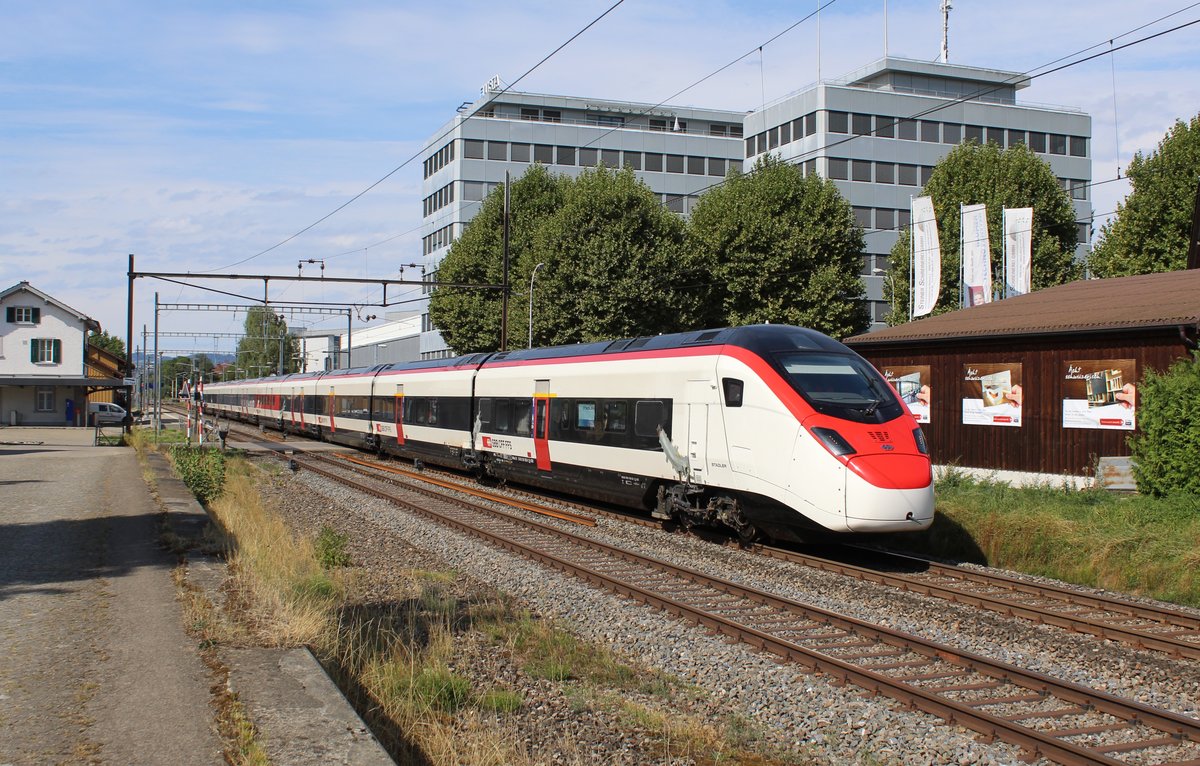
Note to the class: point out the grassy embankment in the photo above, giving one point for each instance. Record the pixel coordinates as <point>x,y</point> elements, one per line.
<point>399,661</point>
<point>1130,543</point>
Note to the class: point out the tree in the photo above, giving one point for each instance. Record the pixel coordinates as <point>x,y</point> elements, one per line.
<point>109,343</point>
<point>1150,233</point>
<point>469,318</point>
<point>1164,452</point>
<point>613,263</point>
<point>266,347</point>
<point>780,247</point>
<point>972,174</point>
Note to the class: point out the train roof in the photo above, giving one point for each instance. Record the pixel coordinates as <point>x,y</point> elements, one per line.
<point>761,339</point>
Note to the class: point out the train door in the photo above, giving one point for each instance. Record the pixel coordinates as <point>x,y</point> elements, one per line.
<point>541,424</point>
<point>332,409</point>
<point>697,393</point>
<point>398,412</point>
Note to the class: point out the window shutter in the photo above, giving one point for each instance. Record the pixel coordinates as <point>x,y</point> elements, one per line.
<point>10,314</point>
<point>57,350</point>
<point>37,316</point>
<point>33,351</point>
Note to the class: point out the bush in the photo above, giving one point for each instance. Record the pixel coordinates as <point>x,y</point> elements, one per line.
<point>202,470</point>
<point>331,548</point>
<point>1165,452</point>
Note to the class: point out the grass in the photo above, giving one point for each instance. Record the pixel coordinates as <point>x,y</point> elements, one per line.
<point>1131,543</point>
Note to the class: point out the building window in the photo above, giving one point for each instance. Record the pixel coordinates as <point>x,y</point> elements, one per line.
<point>610,158</point>
<point>566,155</point>
<point>951,133</point>
<point>695,166</point>
<point>543,153</point>
<point>653,162</point>
<point>903,218</point>
<point>609,120</point>
<point>497,150</point>
<point>785,133</point>
<point>996,136</point>
<point>1016,137</point>
<point>717,130</point>
<point>23,315</point>
<point>926,174</point>
<point>675,203</point>
<point>975,133</point>
<point>838,169</point>
<point>885,173</point>
<point>860,170</point>
<point>45,350</point>
<point>472,150</point>
<point>45,399</point>
<point>656,124</point>
<point>810,123</point>
<point>472,191</point>
<point>906,130</point>
<point>862,216</point>
<point>735,131</point>
<point>1082,230</point>
<point>861,124</point>
<point>529,114</point>
<point>1079,189</point>
<point>674,163</point>
<point>1037,142</point>
<point>551,115</point>
<point>798,128</point>
<point>716,166</point>
<point>633,160</point>
<point>838,122</point>
<point>1078,146</point>
<point>1058,144</point>
<point>908,175</point>
<point>520,152</point>
<point>750,147</point>
<point>810,167</point>
<point>885,218</point>
<point>773,138</point>
<point>885,127</point>
<point>588,157</point>
<point>930,132</point>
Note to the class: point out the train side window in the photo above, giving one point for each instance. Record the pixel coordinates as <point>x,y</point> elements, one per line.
<point>485,413</point>
<point>647,417</point>
<point>615,420</point>
<point>503,416</point>
<point>522,413</point>
<point>561,412</point>
<point>585,416</point>
<point>733,391</point>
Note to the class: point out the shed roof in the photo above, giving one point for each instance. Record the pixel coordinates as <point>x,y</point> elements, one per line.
<point>1093,305</point>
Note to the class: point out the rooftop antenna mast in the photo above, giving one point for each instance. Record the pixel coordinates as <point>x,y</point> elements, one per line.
<point>946,31</point>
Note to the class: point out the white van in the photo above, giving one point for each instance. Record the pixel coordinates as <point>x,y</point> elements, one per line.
<point>105,414</point>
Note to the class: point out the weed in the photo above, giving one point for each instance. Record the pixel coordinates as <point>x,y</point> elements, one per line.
<point>500,701</point>
<point>330,547</point>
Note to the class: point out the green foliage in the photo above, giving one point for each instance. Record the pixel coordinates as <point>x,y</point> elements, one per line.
<point>201,469</point>
<point>469,318</point>
<point>266,344</point>
<point>613,261</point>
<point>330,546</point>
<point>439,689</point>
<point>109,343</point>
<point>1165,452</point>
<point>1150,232</point>
<point>500,701</point>
<point>972,174</point>
<point>780,247</point>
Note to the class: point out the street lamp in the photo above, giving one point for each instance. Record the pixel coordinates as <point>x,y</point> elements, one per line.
<point>891,285</point>
<point>531,278</point>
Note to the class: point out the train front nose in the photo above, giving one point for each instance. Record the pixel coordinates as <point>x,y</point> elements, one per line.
<point>889,493</point>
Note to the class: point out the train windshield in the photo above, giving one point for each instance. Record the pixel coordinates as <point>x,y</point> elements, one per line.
<point>841,386</point>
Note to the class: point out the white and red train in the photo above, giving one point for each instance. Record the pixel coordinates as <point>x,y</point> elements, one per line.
<point>768,428</point>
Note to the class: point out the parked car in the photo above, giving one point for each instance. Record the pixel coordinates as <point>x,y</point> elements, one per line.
<point>106,414</point>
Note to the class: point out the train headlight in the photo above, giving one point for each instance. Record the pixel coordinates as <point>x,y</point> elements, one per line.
<point>922,445</point>
<point>833,441</point>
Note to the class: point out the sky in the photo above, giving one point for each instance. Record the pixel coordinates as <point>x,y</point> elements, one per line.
<point>197,135</point>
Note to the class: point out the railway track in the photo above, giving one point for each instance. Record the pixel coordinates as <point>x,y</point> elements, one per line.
<point>1149,627</point>
<point>1049,718</point>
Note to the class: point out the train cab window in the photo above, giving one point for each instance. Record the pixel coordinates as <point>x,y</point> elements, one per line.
<point>733,389</point>
<point>585,416</point>
<point>616,416</point>
<point>843,386</point>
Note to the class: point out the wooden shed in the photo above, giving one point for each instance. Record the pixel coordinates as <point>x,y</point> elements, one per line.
<point>1044,382</point>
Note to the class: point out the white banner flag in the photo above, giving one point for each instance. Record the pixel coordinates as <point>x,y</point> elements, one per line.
<point>1018,250</point>
<point>926,257</point>
<point>976,256</point>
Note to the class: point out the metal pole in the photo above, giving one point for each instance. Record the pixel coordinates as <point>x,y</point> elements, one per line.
<point>129,367</point>
<point>531,277</point>
<point>157,376</point>
<point>504,280</point>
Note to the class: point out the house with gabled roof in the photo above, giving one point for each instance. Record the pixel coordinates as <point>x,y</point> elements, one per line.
<point>44,367</point>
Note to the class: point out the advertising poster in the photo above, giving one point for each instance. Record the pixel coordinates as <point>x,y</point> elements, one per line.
<point>1100,393</point>
<point>911,382</point>
<point>992,394</point>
